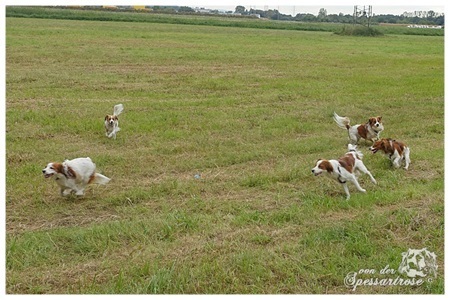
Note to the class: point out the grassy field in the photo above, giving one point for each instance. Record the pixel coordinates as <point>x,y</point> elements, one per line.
<point>247,110</point>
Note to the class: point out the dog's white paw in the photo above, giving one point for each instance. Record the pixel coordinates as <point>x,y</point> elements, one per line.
<point>66,192</point>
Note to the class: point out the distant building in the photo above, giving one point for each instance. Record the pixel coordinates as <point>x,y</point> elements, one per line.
<point>420,14</point>
<point>202,10</point>
<point>425,26</point>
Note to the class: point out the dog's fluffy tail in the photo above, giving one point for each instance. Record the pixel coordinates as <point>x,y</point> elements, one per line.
<point>99,179</point>
<point>118,109</point>
<point>343,122</point>
<point>353,148</point>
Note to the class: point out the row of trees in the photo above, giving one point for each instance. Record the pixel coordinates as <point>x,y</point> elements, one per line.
<point>425,18</point>
<point>421,18</point>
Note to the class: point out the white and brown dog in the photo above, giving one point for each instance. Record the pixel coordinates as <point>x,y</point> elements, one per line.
<point>112,121</point>
<point>74,175</point>
<point>369,131</point>
<point>345,169</point>
<point>397,151</point>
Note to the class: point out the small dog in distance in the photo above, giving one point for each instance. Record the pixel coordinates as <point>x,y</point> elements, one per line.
<point>112,122</point>
<point>369,131</point>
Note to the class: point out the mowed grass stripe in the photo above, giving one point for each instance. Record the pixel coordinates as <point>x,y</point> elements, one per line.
<point>248,110</point>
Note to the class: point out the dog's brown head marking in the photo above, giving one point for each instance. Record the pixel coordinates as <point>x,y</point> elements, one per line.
<point>388,146</point>
<point>375,122</point>
<point>326,166</point>
<point>58,167</point>
<point>111,117</point>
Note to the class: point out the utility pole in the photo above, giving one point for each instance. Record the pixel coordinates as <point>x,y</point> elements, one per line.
<point>360,15</point>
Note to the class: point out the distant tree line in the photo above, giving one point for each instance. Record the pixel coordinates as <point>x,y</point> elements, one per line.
<point>419,18</point>
<point>425,18</point>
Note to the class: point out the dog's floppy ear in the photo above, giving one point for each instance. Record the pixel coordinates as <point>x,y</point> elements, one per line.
<point>106,117</point>
<point>326,165</point>
<point>58,167</point>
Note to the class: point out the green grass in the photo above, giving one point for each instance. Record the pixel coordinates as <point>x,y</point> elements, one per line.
<point>250,110</point>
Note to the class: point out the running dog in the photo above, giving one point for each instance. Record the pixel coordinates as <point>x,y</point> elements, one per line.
<point>369,131</point>
<point>396,151</point>
<point>74,175</point>
<point>112,121</point>
<point>344,169</point>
